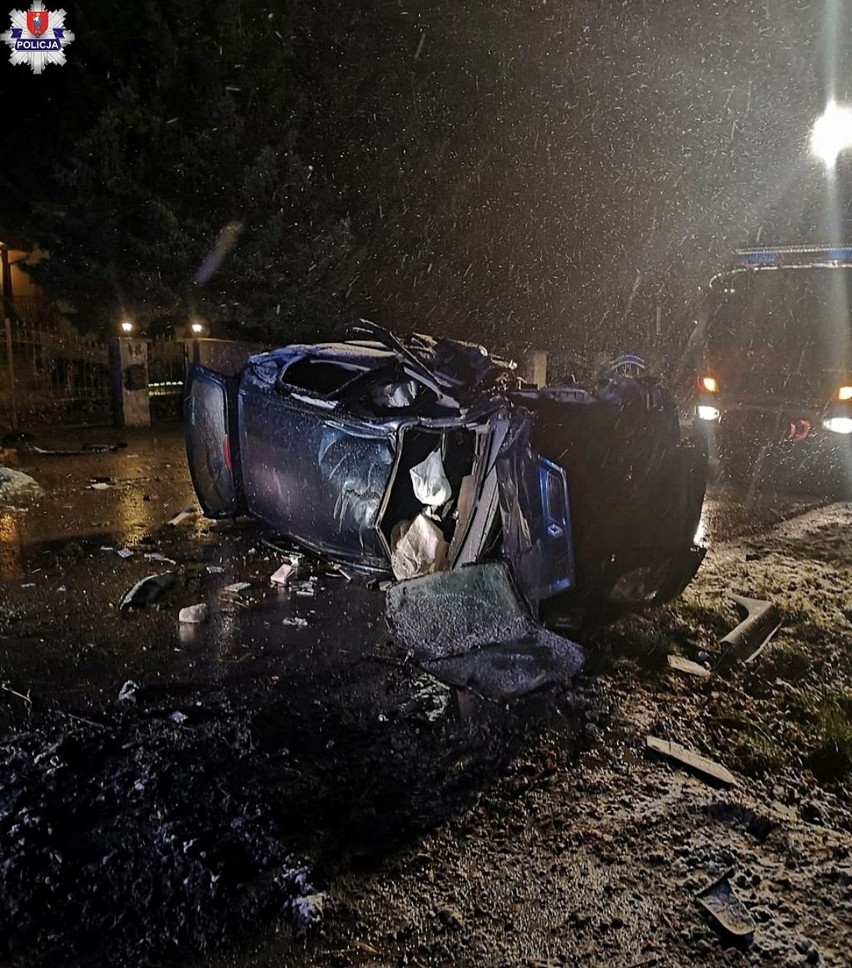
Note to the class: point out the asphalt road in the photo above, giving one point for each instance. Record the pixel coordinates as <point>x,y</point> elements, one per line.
<point>61,574</point>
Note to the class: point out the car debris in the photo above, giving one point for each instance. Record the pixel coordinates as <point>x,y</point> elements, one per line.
<point>411,456</point>
<point>728,912</point>
<point>707,769</point>
<point>470,629</point>
<point>282,575</point>
<point>194,614</point>
<point>158,557</point>
<point>24,442</point>
<point>146,591</point>
<point>183,515</point>
<point>238,588</point>
<point>681,664</point>
<point>127,693</point>
<point>748,639</point>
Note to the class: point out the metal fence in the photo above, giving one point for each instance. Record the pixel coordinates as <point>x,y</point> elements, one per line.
<point>52,375</point>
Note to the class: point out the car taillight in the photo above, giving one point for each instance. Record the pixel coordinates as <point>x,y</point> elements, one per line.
<point>226,450</point>
<point>799,430</point>
<point>708,384</point>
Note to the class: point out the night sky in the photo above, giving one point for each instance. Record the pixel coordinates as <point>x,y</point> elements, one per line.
<point>532,173</point>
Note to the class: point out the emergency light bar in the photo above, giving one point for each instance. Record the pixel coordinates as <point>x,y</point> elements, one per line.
<point>794,255</point>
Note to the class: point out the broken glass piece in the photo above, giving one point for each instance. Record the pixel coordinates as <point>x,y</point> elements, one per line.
<point>471,629</point>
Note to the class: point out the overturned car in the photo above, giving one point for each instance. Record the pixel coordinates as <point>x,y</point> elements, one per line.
<point>414,456</point>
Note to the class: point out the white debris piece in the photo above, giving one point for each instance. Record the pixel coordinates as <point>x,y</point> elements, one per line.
<point>182,516</point>
<point>128,691</point>
<point>430,483</point>
<point>124,553</point>
<point>100,486</point>
<point>156,556</point>
<point>283,575</point>
<point>295,621</point>
<point>193,614</point>
<point>237,588</point>
<point>177,717</point>
<point>16,486</point>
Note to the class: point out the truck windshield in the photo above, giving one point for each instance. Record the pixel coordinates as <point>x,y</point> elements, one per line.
<point>788,320</point>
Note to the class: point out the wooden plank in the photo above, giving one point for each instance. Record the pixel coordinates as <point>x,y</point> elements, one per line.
<point>706,768</point>
<point>681,664</point>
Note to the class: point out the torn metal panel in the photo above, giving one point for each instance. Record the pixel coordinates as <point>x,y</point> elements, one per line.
<point>535,515</point>
<point>720,901</point>
<point>470,628</point>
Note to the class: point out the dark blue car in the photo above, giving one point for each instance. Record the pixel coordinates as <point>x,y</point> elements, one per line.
<point>413,455</point>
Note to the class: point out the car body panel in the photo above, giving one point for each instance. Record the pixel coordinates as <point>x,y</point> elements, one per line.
<point>212,441</point>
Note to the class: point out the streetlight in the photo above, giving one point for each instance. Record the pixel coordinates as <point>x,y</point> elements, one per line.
<point>197,327</point>
<point>832,133</point>
<point>127,327</point>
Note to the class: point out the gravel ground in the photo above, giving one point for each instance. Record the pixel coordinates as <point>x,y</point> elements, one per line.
<point>282,787</point>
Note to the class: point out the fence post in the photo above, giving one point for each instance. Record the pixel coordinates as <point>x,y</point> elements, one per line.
<point>10,365</point>
<point>129,359</point>
<point>534,368</point>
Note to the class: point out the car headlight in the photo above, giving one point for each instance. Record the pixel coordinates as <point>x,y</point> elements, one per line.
<point>708,413</point>
<point>838,425</point>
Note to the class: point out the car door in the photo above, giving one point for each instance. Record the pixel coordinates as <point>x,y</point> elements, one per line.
<point>534,508</point>
<point>212,448</point>
<point>315,474</point>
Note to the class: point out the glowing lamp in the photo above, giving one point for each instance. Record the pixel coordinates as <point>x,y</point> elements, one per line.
<point>832,133</point>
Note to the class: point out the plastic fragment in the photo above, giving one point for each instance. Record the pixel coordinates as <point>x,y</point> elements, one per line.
<point>156,556</point>
<point>181,516</point>
<point>283,575</point>
<point>146,591</point>
<point>194,614</point>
